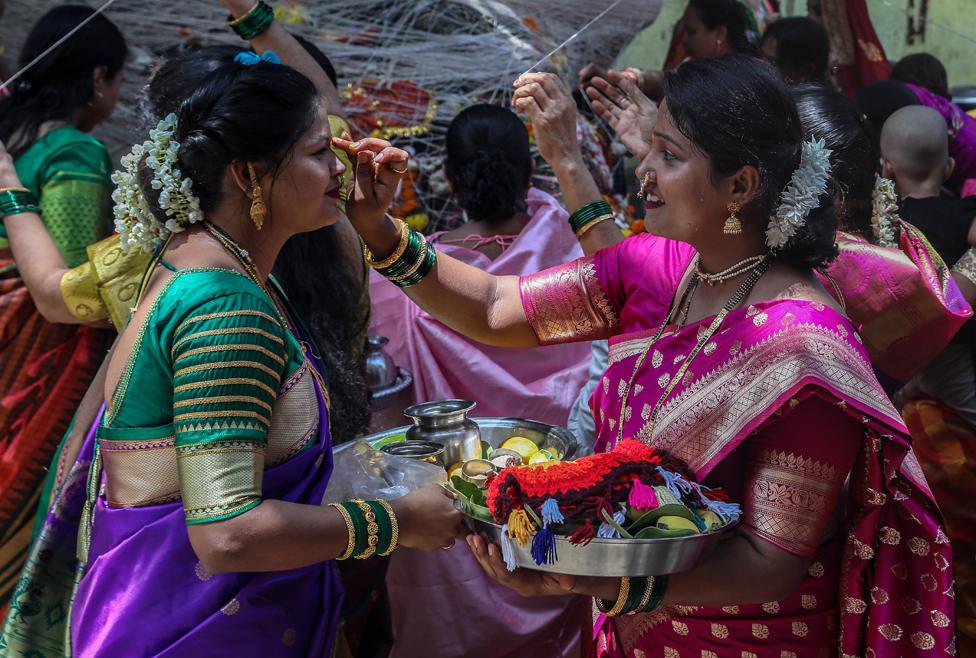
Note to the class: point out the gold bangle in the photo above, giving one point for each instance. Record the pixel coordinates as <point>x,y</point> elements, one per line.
<point>421,257</point>
<point>621,599</point>
<point>966,266</point>
<point>350,528</point>
<point>372,530</point>
<point>586,227</point>
<point>646,598</point>
<point>13,189</point>
<point>395,537</point>
<point>245,14</point>
<point>397,253</point>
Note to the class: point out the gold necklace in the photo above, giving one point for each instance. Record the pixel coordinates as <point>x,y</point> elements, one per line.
<point>244,258</point>
<point>703,337</point>
<point>731,272</point>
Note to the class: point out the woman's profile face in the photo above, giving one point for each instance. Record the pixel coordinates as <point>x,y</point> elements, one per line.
<point>682,201</point>
<point>305,193</point>
<point>699,40</point>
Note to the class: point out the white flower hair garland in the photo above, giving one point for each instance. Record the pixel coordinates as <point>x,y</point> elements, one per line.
<point>137,225</point>
<point>801,195</point>
<point>884,212</point>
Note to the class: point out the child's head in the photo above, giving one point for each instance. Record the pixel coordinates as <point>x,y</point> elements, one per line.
<point>915,149</point>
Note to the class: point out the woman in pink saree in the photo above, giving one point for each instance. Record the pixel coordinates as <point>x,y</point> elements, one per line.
<point>727,351</point>
<point>511,230</point>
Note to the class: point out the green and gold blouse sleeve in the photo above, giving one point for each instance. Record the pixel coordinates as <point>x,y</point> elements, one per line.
<point>229,360</point>
<point>76,198</point>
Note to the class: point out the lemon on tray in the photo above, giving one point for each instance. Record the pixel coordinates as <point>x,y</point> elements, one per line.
<point>538,457</point>
<point>521,445</point>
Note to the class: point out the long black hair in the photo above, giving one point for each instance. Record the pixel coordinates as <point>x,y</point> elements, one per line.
<point>324,289</point>
<point>733,15</point>
<point>61,83</point>
<point>738,112</point>
<point>831,116</point>
<point>488,162</point>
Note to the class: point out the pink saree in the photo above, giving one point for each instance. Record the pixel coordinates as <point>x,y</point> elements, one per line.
<point>902,300</point>
<point>780,407</point>
<point>540,384</point>
<point>426,589</point>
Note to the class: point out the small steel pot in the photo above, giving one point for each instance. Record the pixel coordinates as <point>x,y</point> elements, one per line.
<point>446,422</point>
<point>423,450</point>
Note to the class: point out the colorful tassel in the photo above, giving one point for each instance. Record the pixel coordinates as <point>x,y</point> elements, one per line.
<point>551,513</point>
<point>544,547</point>
<point>584,534</point>
<point>677,484</point>
<point>607,531</point>
<point>519,527</point>
<point>729,512</point>
<point>508,552</point>
<point>642,496</point>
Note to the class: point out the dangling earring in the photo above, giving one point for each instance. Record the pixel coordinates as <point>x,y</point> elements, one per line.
<point>733,225</point>
<point>643,186</point>
<point>258,210</point>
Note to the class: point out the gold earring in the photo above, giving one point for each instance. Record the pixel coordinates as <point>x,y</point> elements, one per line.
<point>733,225</point>
<point>643,186</point>
<point>258,210</point>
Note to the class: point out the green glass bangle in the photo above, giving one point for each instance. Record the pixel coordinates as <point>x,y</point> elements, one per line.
<point>425,268</point>
<point>14,202</point>
<point>415,266</point>
<point>386,527</point>
<point>659,589</point>
<point>253,23</point>
<point>587,212</point>
<point>358,522</point>
<point>408,259</point>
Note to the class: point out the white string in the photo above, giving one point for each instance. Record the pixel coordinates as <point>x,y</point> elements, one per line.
<point>573,36</point>
<point>927,21</point>
<point>57,43</point>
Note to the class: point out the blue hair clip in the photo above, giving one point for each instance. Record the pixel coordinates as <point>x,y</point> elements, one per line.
<point>248,58</point>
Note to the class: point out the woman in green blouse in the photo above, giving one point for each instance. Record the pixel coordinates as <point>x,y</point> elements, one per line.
<point>46,367</point>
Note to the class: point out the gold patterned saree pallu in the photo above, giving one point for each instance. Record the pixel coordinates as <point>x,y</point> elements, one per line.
<point>903,300</point>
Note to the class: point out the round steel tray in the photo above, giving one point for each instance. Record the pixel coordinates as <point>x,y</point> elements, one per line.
<point>558,440</point>
<point>614,557</point>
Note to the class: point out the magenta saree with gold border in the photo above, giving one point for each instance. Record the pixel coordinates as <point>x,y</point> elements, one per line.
<point>780,406</point>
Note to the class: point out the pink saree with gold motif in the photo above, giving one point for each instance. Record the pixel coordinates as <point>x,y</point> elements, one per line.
<point>781,407</point>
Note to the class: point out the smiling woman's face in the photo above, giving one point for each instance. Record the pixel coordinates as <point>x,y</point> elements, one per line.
<point>306,192</point>
<point>682,200</point>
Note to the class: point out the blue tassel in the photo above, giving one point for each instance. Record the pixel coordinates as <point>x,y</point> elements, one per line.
<point>544,547</point>
<point>730,512</point>
<point>607,531</point>
<point>508,553</point>
<point>699,523</point>
<point>551,512</point>
<point>677,484</point>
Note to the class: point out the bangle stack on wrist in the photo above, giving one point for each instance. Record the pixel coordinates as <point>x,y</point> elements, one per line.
<point>410,262</point>
<point>254,23</point>
<point>15,200</point>
<point>636,595</point>
<point>372,528</point>
<point>589,215</point>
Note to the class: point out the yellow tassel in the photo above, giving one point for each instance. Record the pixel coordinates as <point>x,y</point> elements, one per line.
<point>520,527</point>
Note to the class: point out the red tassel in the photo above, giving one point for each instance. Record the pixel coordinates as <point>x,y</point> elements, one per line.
<point>584,534</point>
<point>642,496</point>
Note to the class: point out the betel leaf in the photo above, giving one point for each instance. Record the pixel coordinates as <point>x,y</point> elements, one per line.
<point>470,491</point>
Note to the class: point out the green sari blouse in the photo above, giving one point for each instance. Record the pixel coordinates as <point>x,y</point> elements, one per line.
<point>208,365</point>
<point>70,172</point>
